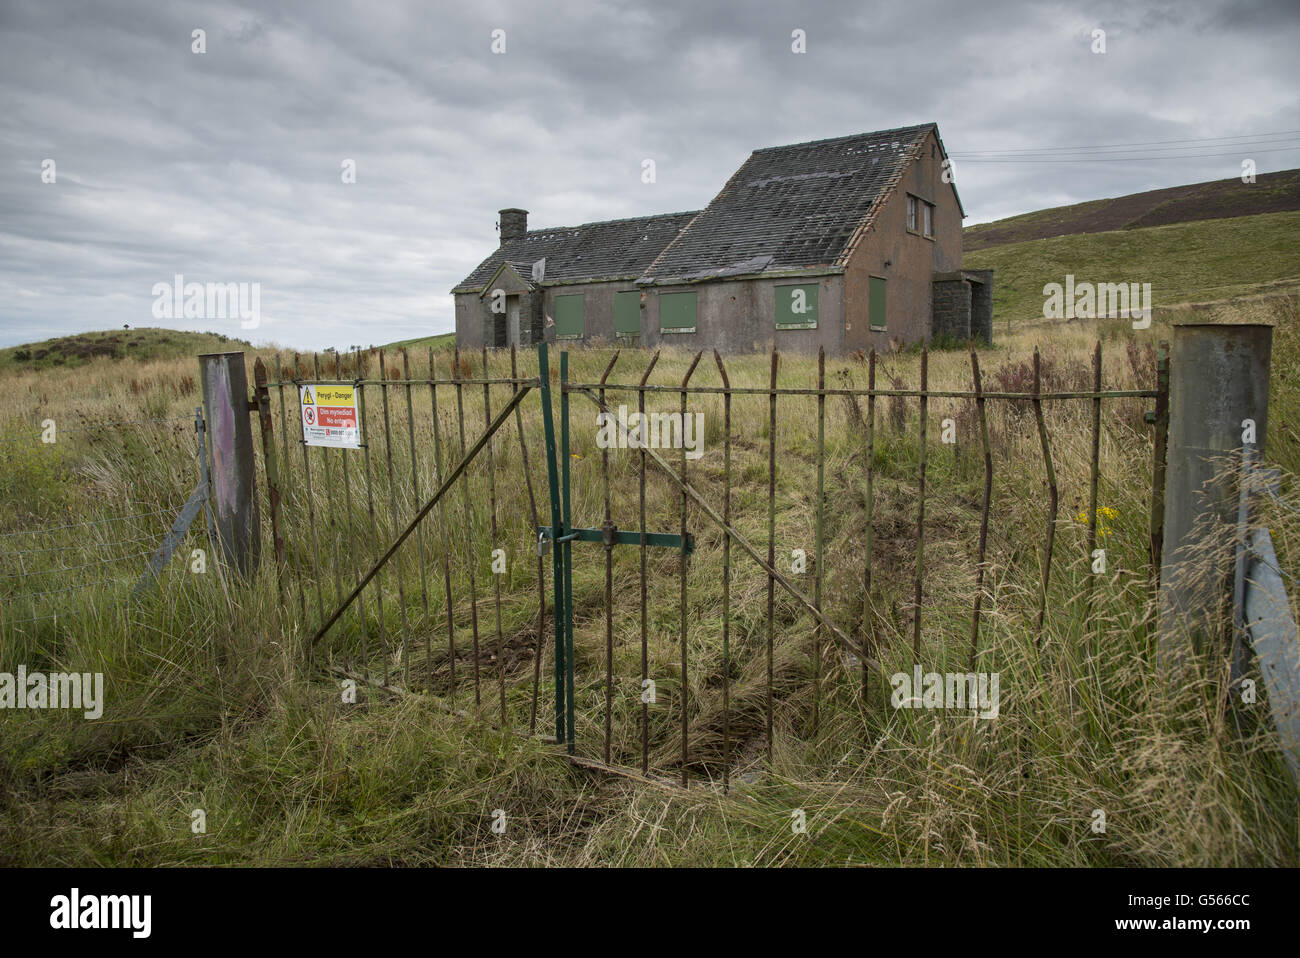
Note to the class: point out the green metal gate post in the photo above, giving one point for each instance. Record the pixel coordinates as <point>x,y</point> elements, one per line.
<point>557,527</point>
<point>567,539</point>
<point>563,535</point>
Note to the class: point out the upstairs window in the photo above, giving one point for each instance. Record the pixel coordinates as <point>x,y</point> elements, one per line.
<point>920,216</point>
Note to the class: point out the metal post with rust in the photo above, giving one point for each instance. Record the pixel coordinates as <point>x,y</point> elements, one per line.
<point>566,510</point>
<point>230,435</point>
<point>541,567</point>
<point>771,550</point>
<point>493,532</point>
<point>685,560</point>
<point>330,512</point>
<point>920,504</point>
<point>557,530</point>
<point>370,513</point>
<point>415,497</point>
<point>1159,419</point>
<point>284,419</point>
<point>469,514</point>
<point>310,495</point>
<point>1094,476</point>
<point>868,610</point>
<point>1053,494</point>
<point>286,480</point>
<point>984,512</point>
<point>393,516</point>
<point>609,580</point>
<point>645,652</point>
<point>442,535</point>
<point>726,574</point>
<point>352,549</point>
<point>271,467</point>
<point>820,546</point>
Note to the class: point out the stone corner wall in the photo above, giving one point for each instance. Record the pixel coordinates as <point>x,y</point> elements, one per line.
<point>981,314</point>
<point>951,309</point>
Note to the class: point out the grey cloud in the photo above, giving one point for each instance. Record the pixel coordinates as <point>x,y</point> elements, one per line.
<point>225,167</point>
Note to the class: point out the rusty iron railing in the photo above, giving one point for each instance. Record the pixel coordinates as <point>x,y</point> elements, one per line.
<point>376,592</point>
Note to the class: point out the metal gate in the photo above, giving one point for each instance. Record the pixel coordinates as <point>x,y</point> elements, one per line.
<point>729,682</point>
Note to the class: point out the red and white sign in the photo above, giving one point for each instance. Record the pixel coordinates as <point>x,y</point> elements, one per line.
<point>329,415</point>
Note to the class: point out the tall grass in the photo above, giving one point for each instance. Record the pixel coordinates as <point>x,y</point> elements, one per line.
<point>211,704</point>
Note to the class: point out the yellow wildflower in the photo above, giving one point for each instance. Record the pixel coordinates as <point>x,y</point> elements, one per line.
<point>1104,514</point>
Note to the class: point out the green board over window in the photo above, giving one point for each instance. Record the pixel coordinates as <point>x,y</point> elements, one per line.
<point>876,305</point>
<point>568,317</point>
<point>677,312</point>
<point>796,306</point>
<point>627,313</point>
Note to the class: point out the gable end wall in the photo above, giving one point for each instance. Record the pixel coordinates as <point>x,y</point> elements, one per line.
<point>913,259</point>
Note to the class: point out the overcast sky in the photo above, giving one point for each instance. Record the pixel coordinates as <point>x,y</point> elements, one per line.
<point>227,166</point>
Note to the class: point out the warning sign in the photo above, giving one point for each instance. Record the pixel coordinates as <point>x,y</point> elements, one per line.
<point>329,415</point>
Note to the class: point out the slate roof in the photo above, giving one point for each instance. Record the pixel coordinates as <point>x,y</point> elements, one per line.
<point>525,271</point>
<point>787,207</point>
<point>790,207</point>
<point>611,249</point>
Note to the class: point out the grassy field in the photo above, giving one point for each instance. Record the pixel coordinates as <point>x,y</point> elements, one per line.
<point>210,705</point>
<point>1204,261</point>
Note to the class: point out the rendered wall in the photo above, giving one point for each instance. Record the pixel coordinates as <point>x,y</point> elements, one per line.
<point>913,259</point>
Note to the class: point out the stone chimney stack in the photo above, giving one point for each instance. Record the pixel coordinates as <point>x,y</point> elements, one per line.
<point>514,224</point>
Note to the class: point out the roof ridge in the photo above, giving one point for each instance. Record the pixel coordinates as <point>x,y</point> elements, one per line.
<point>852,136</point>
<point>625,219</point>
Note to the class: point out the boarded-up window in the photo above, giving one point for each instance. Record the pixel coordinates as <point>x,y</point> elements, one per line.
<point>876,303</point>
<point>677,312</point>
<point>796,306</point>
<point>627,313</point>
<point>568,317</point>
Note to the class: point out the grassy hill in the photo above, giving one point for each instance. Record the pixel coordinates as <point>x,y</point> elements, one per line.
<point>1194,262</point>
<point>143,344</point>
<point>1218,199</point>
<point>441,341</point>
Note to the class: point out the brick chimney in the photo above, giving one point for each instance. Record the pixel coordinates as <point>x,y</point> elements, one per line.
<point>514,224</point>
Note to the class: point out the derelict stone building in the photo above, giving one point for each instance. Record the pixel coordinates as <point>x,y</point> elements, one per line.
<point>846,243</point>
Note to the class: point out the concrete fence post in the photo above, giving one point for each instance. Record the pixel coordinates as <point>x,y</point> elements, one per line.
<point>1218,401</point>
<point>230,438</point>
